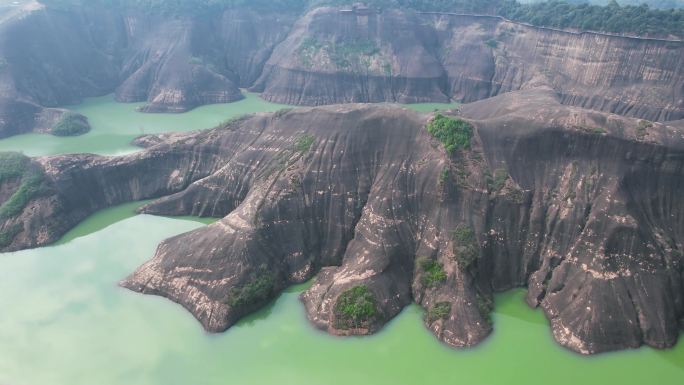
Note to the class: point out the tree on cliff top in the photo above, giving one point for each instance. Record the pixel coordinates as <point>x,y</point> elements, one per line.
<point>613,18</point>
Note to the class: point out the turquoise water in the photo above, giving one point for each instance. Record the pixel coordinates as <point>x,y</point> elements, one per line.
<point>65,322</point>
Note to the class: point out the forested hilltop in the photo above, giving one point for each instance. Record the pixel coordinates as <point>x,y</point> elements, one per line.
<point>613,18</point>
<point>660,4</point>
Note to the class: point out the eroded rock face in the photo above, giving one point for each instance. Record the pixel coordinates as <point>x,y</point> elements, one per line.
<point>400,56</point>
<point>337,58</point>
<point>50,58</point>
<point>581,207</point>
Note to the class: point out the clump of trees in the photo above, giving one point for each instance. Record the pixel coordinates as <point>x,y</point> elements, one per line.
<point>453,133</point>
<point>612,17</point>
<point>258,290</point>
<point>12,165</point>
<point>32,183</point>
<point>355,308</point>
<point>630,19</point>
<point>432,272</point>
<point>70,124</point>
<point>465,246</point>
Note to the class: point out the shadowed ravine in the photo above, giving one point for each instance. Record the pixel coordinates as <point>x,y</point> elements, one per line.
<point>362,196</point>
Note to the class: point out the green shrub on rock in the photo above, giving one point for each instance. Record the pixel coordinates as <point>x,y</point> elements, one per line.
<point>13,166</point>
<point>304,142</point>
<point>433,273</point>
<point>355,307</point>
<point>70,124</point>
<point>258,290</point>
<point>453,133</point>
<point>440,310</point>
<point>465,246</point>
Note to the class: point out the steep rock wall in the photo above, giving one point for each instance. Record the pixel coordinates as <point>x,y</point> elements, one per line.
<point>332,57</point>
<point>51,58</point>
<point>487,56</point>
<point>406,57</point>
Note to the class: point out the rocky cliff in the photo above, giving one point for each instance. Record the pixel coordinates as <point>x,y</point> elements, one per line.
<point>330,57</point>
<point>400,56</point>
<point>52,57</point>
<point>582,208</point>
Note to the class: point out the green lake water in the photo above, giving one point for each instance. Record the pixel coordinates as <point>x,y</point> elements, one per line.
<point>65,321</point>
<point>115,125</point>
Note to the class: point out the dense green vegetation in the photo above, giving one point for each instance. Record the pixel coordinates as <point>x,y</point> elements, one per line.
<point>12,166</point>
<point>433,273</point>
<point>465,246</point>
<point>660,4</point>
<point>355,307</point>
<point>612,17</point>
<point>440,310</point>
<point>633,17</point>
<point>31,186</point>
<point>453,133</point>
<point>640,20</point>
<point>258,290</point>
<point>70,124</point>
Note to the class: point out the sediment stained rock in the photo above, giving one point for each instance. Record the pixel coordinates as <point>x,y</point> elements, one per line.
<point>582,208</point>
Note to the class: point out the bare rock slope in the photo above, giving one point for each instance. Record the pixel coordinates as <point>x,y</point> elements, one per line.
<point>582,208</point>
